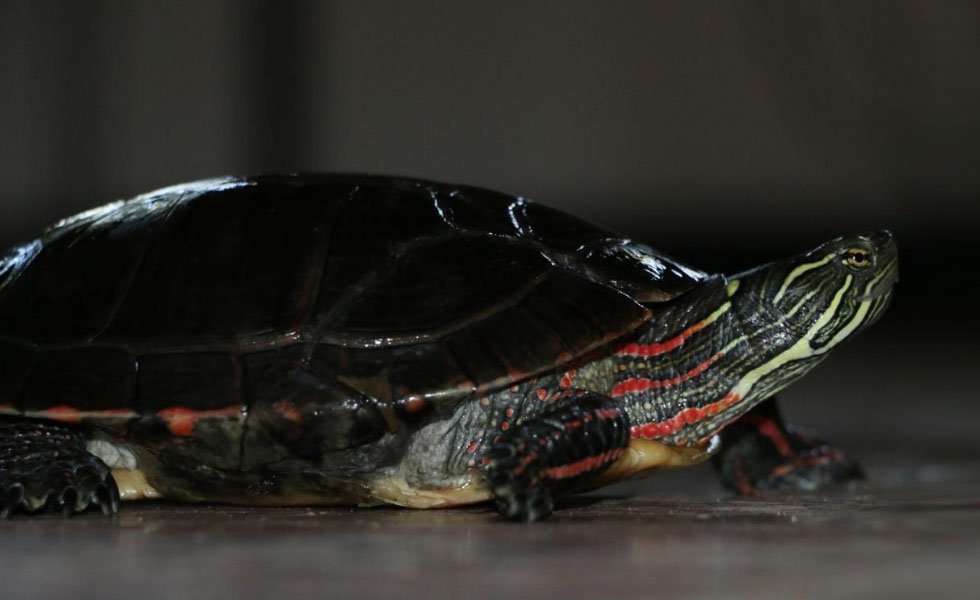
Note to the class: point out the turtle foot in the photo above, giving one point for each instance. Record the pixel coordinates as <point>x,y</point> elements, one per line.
<point>761,453</point>
<point>518,489</point>
<point>824,466</point>
<point>562,451</point>
<point>45,468</point>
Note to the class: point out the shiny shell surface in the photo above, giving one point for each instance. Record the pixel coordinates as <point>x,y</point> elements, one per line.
<point>200,297</point>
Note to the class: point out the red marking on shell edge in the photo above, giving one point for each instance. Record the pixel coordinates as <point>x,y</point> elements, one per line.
<point>122,413</point>
<point>64,413</point>
<point>70,414</point>
<point>642,384</point>
<point>180,420</point>
<point>657,348</point>
<point>688,416</point>
<point>471,448</point>
<point>542,394</point>
<point>288,411</point>
<point>413,405</point>
<point>515,375</point>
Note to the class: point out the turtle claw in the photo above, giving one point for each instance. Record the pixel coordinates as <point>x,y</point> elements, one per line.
<point>13,498</point>
<point>45,467</point>
<point>809,474</point>
<point>68,501</point>
<point>519,492</point>
<point>519,498</point>
<point>107,497</point>
<point>529,505</point>
<point>92,488</point>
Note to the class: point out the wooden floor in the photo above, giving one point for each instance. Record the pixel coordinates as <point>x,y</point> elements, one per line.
<point>914,532</point>
<point>886,543</point>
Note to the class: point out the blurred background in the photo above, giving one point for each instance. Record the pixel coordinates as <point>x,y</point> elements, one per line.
<point>725,133</point>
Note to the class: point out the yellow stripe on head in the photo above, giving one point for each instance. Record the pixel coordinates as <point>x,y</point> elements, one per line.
<point>798,271</point>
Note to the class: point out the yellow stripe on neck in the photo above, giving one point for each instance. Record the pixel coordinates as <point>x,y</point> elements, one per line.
<point>801,349</point>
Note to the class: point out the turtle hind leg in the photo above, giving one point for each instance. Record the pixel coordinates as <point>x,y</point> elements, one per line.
<point>45,467</point>
<point>561,451</point>
<point>760,452</point>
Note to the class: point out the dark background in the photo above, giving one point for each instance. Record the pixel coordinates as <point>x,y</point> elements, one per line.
<point>725,133</point>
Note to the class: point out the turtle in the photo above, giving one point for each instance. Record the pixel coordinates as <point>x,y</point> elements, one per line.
<point>305,339</point>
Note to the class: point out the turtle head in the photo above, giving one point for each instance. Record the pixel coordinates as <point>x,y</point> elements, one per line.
<point>827,294</point>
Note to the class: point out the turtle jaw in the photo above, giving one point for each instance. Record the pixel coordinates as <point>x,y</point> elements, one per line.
<point>879,288</point>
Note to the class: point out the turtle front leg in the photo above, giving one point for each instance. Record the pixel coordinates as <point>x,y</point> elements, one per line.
<point>760,452</point>
<point>45,466</point>
<point>561,451</point>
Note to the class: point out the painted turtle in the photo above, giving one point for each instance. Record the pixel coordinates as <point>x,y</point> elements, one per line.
<point>360,339</point>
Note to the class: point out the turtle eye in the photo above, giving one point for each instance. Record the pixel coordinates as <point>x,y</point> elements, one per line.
<point>857,258</point>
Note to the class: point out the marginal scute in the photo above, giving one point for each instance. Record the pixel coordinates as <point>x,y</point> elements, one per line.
<point>298,413</point>
<point>638,270</point>
<point>494,360</point>
<point>79,379</point>
<point>201,381</point>
<point>583,314</point>
<point>428,370</point>
<point>16,360</point>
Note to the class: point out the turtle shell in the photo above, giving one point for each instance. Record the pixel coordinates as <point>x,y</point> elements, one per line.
<point>398,289</point>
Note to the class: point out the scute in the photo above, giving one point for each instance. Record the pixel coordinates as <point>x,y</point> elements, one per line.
<point>438,287</point>
<point>83,378</point>
<point>236,263</point>
<point>385,287</point>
